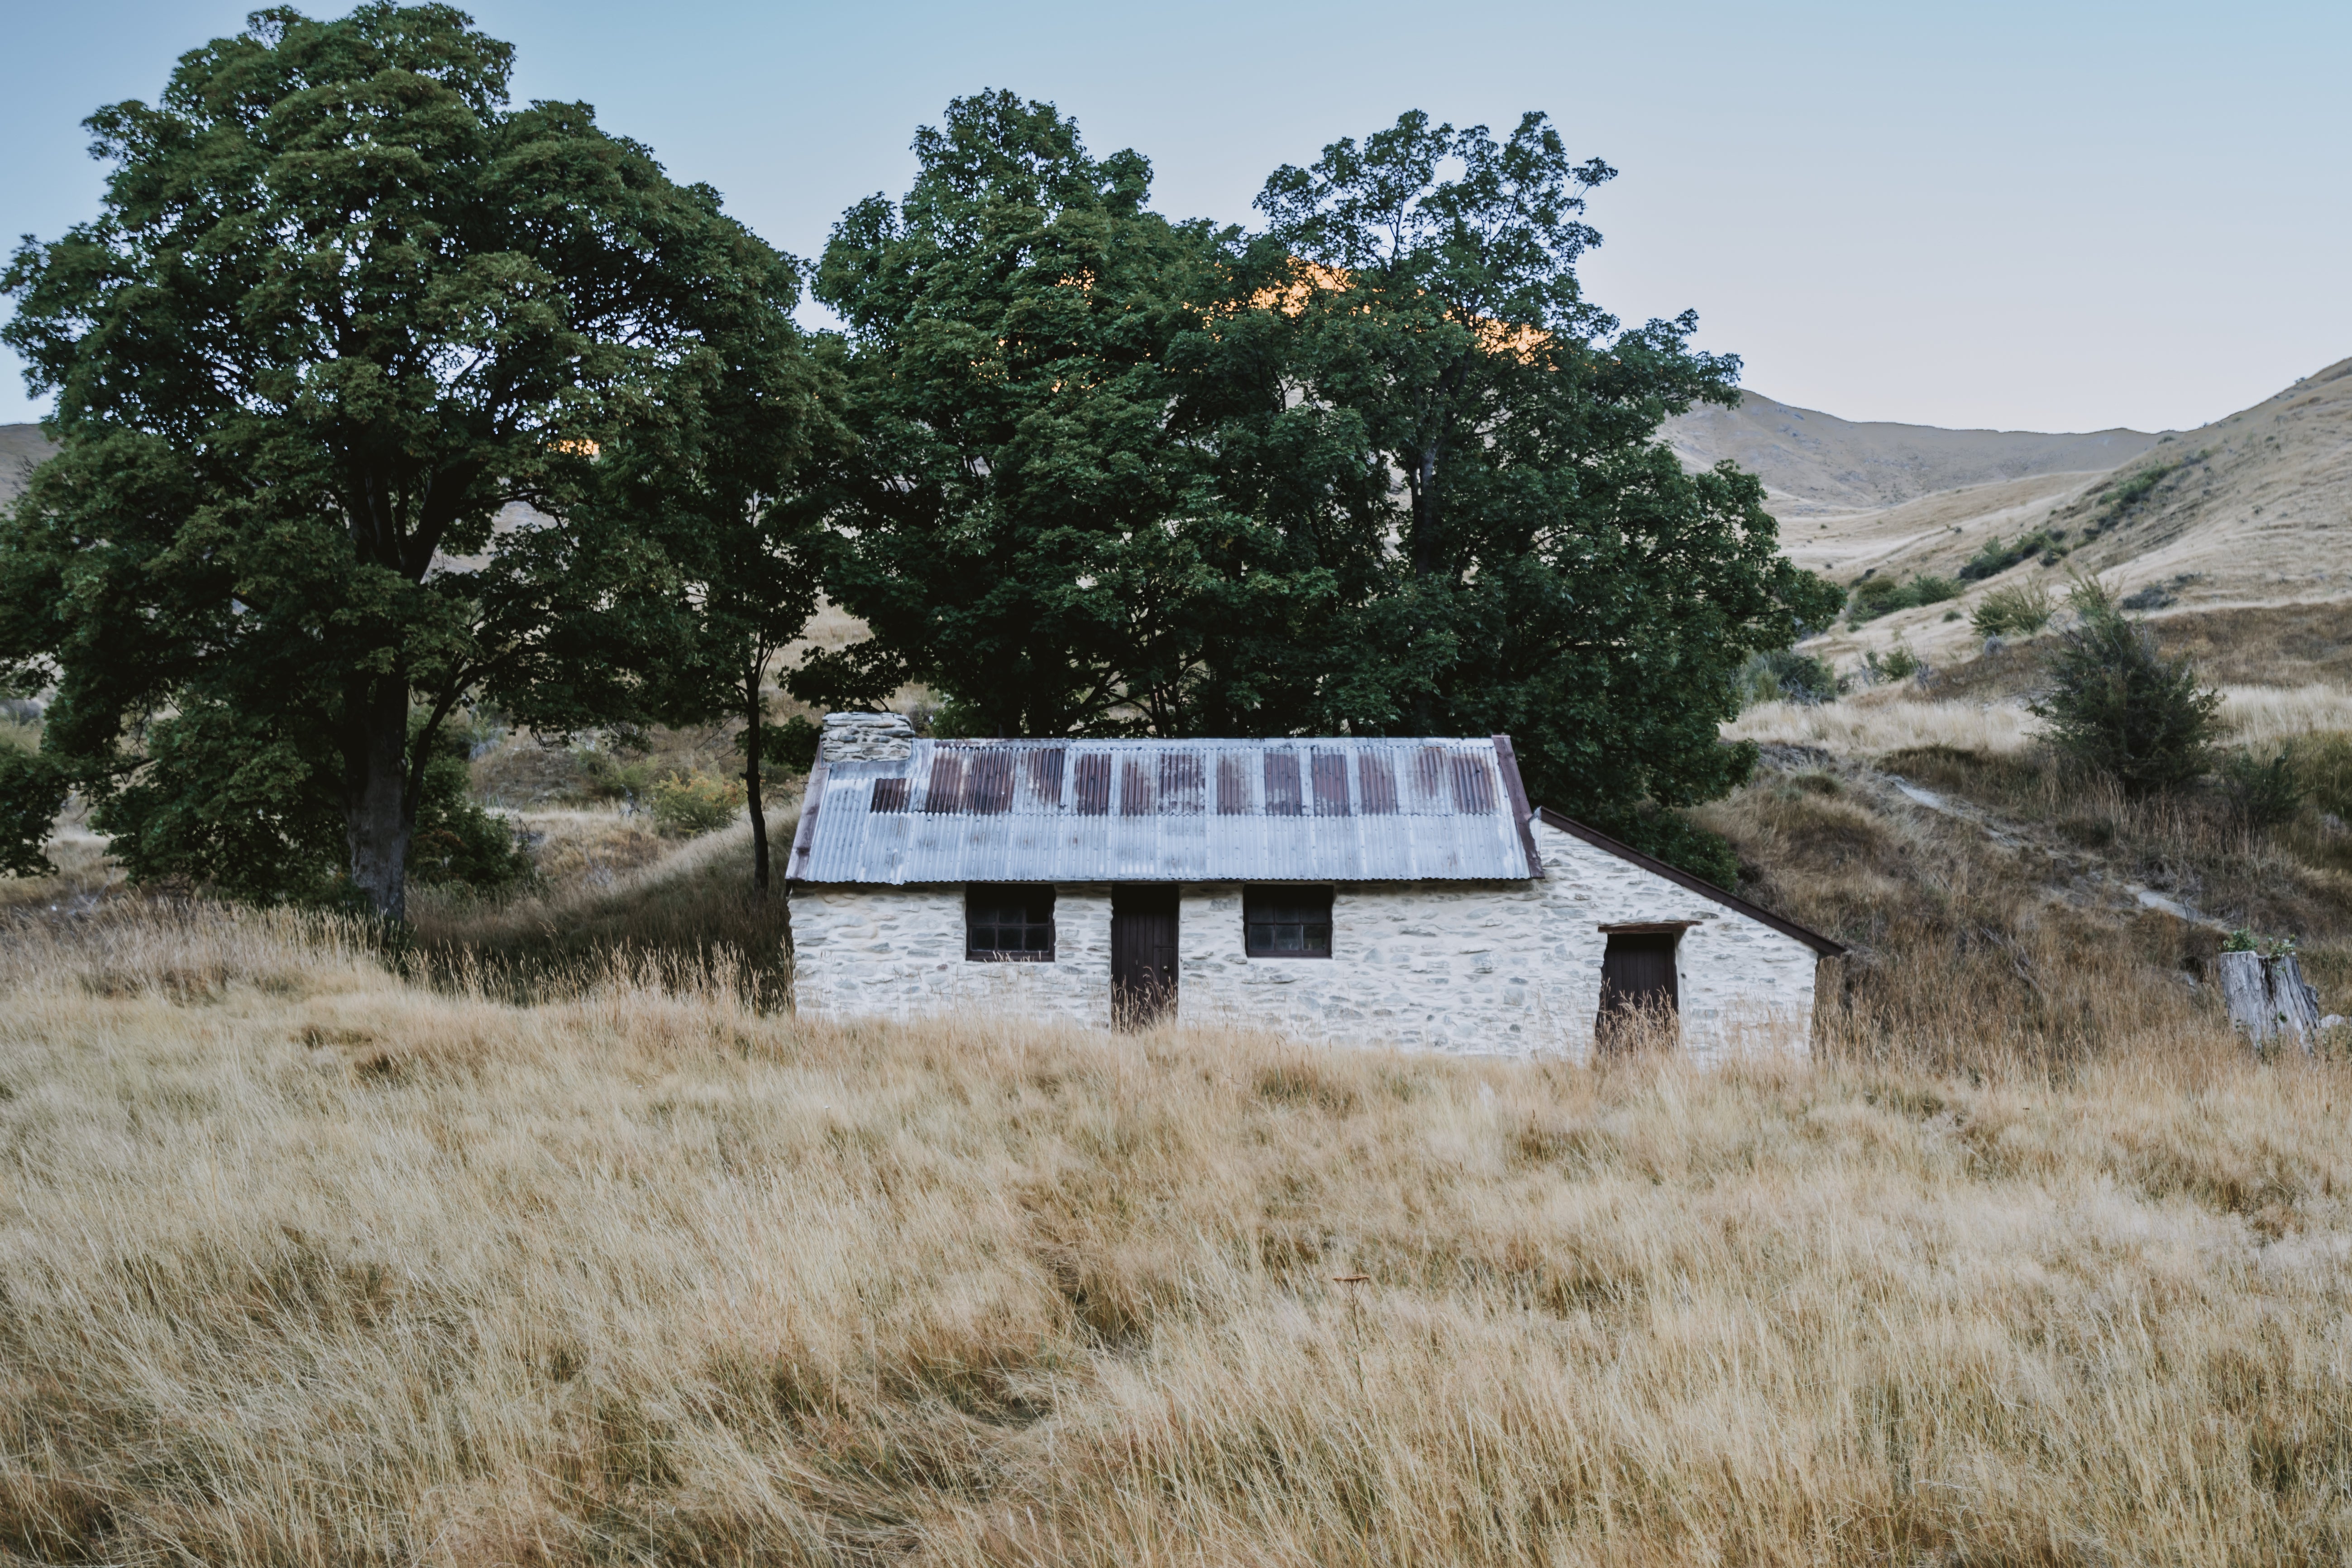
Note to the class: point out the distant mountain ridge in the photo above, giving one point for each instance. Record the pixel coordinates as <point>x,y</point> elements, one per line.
<point>2253,510</point>
<point>1814,463</point>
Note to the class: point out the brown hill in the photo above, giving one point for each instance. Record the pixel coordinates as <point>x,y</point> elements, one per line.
<point>2251,511</point>
<point>1815,464</point>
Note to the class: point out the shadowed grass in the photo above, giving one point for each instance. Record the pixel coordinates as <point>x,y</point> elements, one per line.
<point>686,920</point>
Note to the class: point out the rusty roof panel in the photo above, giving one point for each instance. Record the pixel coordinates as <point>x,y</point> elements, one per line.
<point>1171,811</point>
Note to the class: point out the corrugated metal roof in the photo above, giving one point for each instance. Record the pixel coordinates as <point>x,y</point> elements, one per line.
<point>1171,811</point>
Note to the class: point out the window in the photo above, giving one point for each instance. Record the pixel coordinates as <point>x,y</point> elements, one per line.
<point>1008,924</point>
<point>1287,922</point>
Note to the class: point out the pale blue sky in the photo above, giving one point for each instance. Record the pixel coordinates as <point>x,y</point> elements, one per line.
<point>2052,215</point>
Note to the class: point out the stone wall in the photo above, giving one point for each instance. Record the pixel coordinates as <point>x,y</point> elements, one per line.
<point>1743,986</point>
<point>1511,968</point>
<point>898,952</point>
<point>865,738</point>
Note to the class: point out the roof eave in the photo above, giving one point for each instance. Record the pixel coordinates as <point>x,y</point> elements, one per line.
<point>1509,762</point>
<point>804,836</point>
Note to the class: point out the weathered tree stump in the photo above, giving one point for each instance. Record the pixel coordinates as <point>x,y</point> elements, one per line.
<point>2294,1002</point>
<point>2268,998</point>
<point>2246,993</point>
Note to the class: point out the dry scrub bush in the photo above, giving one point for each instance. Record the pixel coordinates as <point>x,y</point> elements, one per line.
<point>303,1265</point>
<point>1894,718</point>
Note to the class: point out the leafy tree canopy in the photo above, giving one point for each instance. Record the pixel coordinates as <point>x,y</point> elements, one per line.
<point>1032,525</point>
<point>1545,565</point>
<point>333,367</point>
<point>1379,467</point>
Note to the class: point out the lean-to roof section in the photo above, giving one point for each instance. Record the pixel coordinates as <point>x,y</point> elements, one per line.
<point>1308,810</point>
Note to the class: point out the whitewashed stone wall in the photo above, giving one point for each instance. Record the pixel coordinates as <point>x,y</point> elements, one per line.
<point>898,952</point>
<point>1509,968</point>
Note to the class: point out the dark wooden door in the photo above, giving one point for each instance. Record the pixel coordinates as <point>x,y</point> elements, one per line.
<point>1142,953</point>
<point>1637,980</point>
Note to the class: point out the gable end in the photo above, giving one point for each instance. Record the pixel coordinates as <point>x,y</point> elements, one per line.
<point>1680,878</point>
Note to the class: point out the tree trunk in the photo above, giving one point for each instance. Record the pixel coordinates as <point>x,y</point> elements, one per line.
<point>751,790</point>
<point>2246,991</point>
<point>378,815</point>
<point>1427,558</point>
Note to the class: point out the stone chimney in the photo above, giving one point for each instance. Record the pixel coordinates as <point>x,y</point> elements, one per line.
<point>865,738</point>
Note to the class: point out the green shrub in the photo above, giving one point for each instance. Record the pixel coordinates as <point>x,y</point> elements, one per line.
<point>792,743</point>
<point>2131,492</point>
<point>1784,675</point>
<point>614,775</point>
<point>1996,556</point>
<point>2115,705</point>
<point>2117,498</point>
<point>2019,610</point>
<point>1897,663</point>
<point>1675,839</point>
<point>457,843</point>
<point>2262,793</point>
<point>252,813</point>
<point>1876,597</point>
<point>33,790</point>
<point>686,805</point>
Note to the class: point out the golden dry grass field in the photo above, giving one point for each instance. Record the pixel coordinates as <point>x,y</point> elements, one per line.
<point>305,1262</point>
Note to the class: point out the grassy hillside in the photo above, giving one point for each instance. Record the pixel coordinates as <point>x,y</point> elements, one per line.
<point>1924,822</point>
<point>306,1264</point>
<point>2253,510</point>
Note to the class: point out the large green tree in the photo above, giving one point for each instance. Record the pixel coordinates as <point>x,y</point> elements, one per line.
<point>1542,565</point>
<point>1032,531</point>
<point>333,368</point>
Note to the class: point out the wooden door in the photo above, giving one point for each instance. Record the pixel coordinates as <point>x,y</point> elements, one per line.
<point>1143,954</point>
<point>1637,987</point>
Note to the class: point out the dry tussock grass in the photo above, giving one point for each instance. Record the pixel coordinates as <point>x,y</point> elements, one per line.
<point>306,1264</point>
<point>1901,718</point>
<point>1874,722</point>
<point>2295,878</point>
<point>2255,645</point>
<point>1964,946</point>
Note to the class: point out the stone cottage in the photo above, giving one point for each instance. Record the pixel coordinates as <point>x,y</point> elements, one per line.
<point>1376,891</point>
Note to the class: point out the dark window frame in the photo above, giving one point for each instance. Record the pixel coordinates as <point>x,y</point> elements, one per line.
<point>1271,911</point>
<point>987,905</point>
